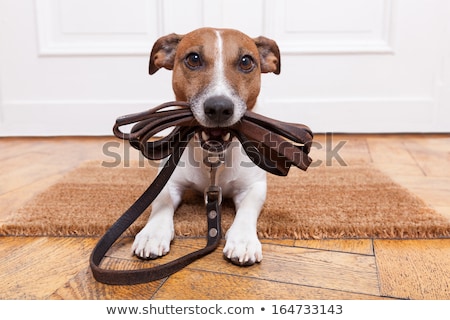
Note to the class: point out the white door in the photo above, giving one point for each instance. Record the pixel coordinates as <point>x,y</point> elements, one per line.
<point>70,67</point>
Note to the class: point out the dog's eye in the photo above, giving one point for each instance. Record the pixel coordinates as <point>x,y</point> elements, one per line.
<point>246,64</point>
<point>193,61</point>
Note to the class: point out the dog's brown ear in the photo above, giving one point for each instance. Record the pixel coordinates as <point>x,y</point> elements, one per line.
<point>269,54</point>
<point>163,53</point>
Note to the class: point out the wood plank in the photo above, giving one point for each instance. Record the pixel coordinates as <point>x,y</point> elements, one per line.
<point>14,147</point>
<point>434,191</point>
<point>281,242</point>
<point>307,267</point>
<point>202,285</point>
<point>391,156</point>
<point>336,150</point>
<point>319,268</point>
<point>414,269</point>
<point>34,268</point>
<point>432,155</point>
<point>359,246</point>
<point>10,244</point>
<point>84,287</point>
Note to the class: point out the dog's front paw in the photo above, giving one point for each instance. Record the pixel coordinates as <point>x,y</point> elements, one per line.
<point>242,248</point>
<point>152,242</point>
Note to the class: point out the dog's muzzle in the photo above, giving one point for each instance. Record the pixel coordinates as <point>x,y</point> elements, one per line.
<point>218,110</point>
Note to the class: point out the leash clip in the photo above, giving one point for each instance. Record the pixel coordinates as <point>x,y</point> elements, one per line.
<point>213,192</point>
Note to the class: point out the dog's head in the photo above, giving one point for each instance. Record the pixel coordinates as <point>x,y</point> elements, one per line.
<point>218,71</point>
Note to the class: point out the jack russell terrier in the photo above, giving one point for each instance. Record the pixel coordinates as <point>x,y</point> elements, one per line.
<point>218,71</point>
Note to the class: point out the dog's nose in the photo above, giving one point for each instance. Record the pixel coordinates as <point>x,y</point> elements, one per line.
<point>218,109</point>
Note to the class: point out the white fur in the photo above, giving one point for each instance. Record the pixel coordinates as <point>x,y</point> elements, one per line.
<point>239,178</point>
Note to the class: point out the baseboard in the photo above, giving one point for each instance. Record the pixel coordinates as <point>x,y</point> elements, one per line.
<point>55,118</point>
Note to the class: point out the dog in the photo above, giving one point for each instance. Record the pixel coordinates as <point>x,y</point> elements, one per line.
<point>218,71</point>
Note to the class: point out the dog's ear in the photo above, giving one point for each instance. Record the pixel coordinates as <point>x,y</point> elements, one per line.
<point>163,53</point>
<point>269,54</point>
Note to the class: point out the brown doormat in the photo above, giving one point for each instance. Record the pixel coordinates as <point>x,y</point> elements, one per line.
<point>325,202</point>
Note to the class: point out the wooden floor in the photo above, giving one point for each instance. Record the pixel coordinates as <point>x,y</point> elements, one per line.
<point>57,268</point>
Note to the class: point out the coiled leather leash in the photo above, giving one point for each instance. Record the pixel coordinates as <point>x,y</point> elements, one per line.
<point>272,145</point>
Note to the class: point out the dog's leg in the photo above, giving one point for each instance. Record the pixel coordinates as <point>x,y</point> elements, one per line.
<point>154,239</point>
<point>242,244</point>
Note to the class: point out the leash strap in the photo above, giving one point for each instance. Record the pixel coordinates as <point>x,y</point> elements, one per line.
<point>128,277</point>
<point>272,145</point>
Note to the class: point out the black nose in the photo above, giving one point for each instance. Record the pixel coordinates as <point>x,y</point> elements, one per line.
<point>218,109</point>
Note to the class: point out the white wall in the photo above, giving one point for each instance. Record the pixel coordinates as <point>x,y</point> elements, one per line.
<point>70,67</point>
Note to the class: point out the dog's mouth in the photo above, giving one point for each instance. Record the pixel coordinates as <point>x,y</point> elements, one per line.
<point>215,139</point>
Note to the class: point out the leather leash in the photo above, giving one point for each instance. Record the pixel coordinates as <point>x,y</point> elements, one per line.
<point>272,145</point>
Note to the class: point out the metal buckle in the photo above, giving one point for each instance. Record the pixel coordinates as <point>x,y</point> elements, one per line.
<point>213,192</point>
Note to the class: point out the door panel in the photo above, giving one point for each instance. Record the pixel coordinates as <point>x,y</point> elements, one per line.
<point>70,67</point>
